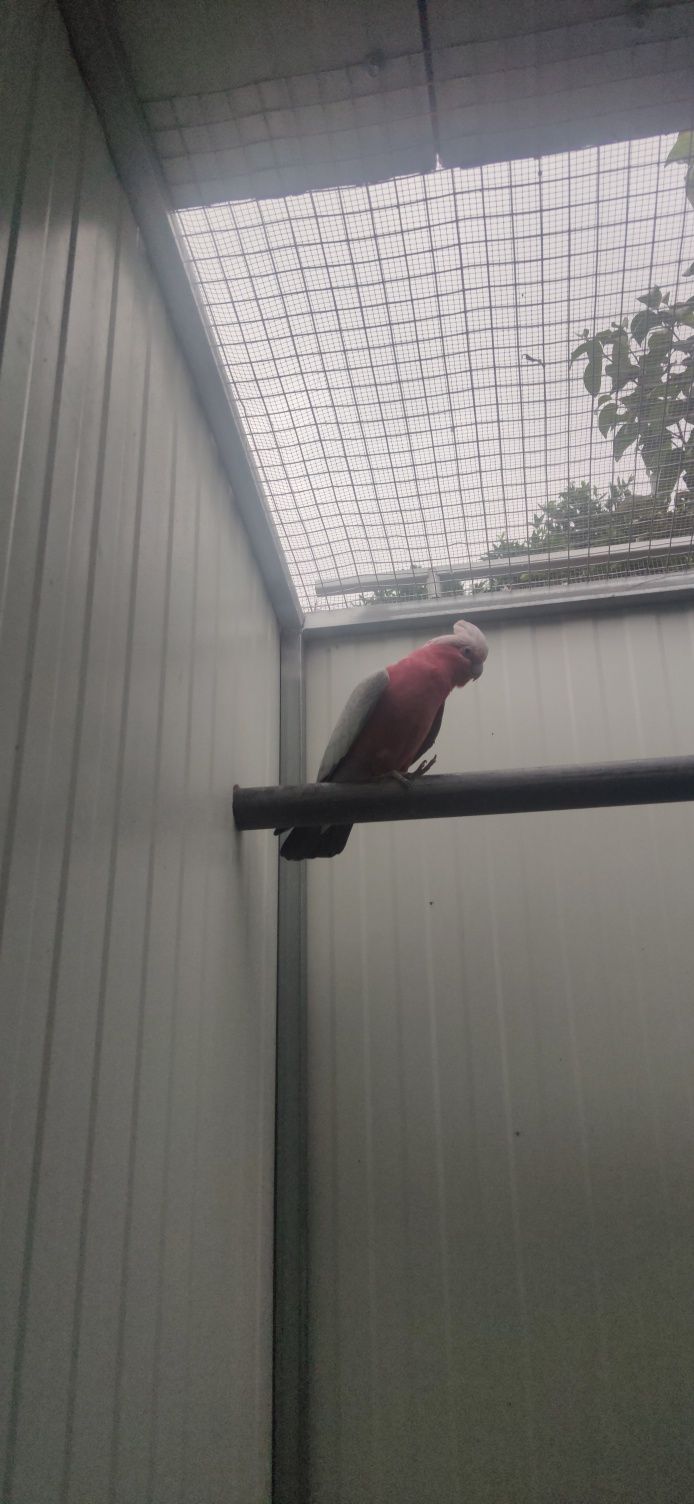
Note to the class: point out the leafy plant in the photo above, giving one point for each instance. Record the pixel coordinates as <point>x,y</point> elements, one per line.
<point>581,517</point>
<point>647,365</point>
<point>648,369</point>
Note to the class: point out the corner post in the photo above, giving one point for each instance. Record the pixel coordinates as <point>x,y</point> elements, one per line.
<point>289,1424</point>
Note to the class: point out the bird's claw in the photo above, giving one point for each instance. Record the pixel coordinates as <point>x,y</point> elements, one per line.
<point>422,769</point>
<point>405,779</point>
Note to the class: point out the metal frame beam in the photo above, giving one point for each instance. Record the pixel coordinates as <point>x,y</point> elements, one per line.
<point>665,780</point>
<point>502,606</point>
<point>105,71</point>
<point>290,1322</point>
<point>535,564</point>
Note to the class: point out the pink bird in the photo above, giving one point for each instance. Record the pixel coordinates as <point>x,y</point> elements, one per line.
<point>390,720</point>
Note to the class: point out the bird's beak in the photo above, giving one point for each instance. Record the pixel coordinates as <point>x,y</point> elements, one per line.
<point>478,672</point>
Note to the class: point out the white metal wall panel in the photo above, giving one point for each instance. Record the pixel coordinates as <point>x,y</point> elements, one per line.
<point>138,681</point>
<point>501,1039</point>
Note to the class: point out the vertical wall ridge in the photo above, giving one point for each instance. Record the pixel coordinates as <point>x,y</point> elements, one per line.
<point>137,986</point>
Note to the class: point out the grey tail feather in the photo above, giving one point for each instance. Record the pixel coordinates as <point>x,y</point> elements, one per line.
<point>306,842</point>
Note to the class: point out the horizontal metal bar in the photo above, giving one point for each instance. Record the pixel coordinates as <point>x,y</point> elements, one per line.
<point>664,780</point>
<point>360,584</point>
<point>549,562</point>
<point>676,589</point>
<point>105,71</point>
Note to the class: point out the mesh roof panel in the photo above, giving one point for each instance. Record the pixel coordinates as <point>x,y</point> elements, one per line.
<point>399,354</point>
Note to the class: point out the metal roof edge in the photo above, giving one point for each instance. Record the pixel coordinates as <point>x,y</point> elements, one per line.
<point>502,606</point>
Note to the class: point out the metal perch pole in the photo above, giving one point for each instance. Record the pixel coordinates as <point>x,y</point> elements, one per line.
<point>665,780</point>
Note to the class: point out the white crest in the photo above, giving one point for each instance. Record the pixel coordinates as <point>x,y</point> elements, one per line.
<point>465,632</point>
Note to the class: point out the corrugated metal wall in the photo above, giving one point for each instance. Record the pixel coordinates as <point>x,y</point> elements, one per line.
<point>139,680</point>
<point>501,1042</point>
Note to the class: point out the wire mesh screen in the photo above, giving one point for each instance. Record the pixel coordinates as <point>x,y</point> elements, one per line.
<point>401,359</point>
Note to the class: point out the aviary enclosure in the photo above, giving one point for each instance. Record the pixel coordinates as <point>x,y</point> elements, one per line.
<point>365,1180</point>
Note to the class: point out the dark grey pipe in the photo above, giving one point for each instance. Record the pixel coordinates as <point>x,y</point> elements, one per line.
<point>664,780</point>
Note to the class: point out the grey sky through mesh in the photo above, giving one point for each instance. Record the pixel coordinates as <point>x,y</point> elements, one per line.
<point>399,354</point>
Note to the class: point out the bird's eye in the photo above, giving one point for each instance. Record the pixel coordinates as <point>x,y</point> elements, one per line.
<point>467,652</point>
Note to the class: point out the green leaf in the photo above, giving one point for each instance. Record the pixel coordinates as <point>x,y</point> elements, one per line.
<point>607,419</point>
<point>623,438</point>
<point>651,379</point>
<point>660,344</point>
<point>606,397</point>
<point>655,442</point>
<point>642,323</point>
<point>619,375</point>
<point>652,299</point>
<point>627,374</point>
<point>689,185</point>
<point>580,350</point>
<point>621,369</point>
<point>690,271</point>
<point>683,149</point>
<point>592,377</point>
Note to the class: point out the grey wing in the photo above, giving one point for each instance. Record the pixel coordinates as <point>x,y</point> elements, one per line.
<point>355,715</point>
<point>431,735</point>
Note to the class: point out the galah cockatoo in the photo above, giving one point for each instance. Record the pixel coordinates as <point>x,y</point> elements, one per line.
<point>390,720</point>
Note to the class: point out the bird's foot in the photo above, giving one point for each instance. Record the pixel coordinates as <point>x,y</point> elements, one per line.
<point>422,769</point>
<point>405,779</point>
